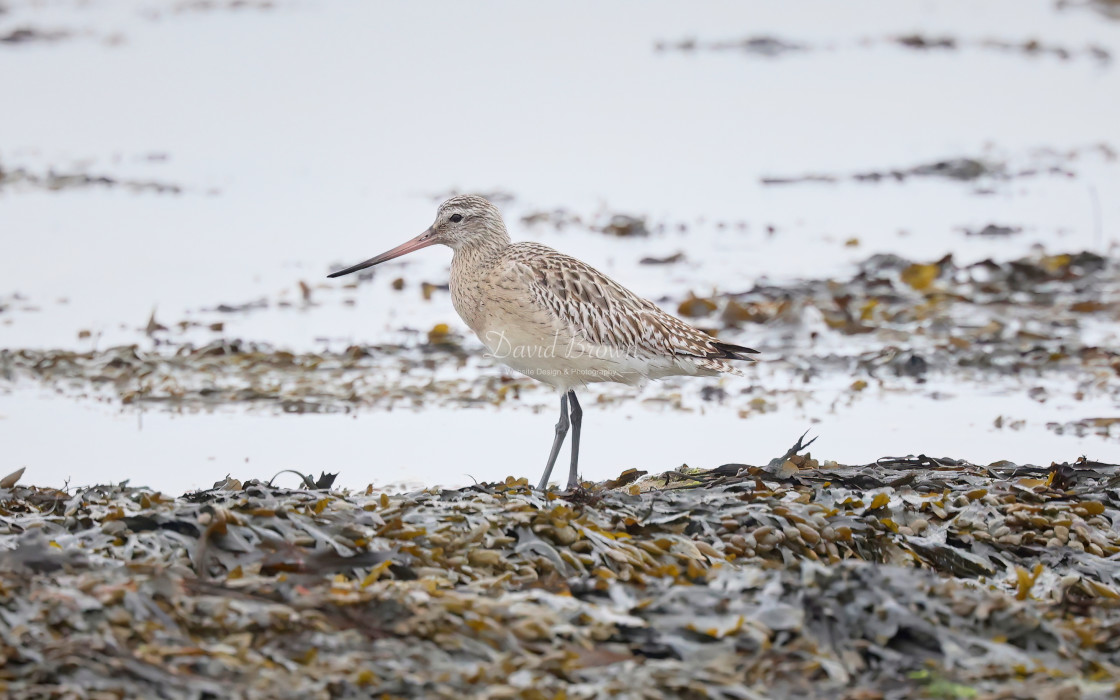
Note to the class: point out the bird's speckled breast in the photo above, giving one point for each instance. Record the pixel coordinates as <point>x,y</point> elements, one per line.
<point>467,295</point>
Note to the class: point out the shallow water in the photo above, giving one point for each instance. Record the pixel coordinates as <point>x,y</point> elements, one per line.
<point>87,442</point>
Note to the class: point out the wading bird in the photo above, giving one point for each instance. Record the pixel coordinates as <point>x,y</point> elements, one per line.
<point>556,318</point>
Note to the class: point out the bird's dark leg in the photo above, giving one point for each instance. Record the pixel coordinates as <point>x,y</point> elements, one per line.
<point>577,421</point>
<point>561,431</point>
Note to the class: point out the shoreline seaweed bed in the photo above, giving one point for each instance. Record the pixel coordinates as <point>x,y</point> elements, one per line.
<point>908,577</point>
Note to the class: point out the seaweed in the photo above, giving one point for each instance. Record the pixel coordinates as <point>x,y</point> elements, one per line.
<point>902,577</point>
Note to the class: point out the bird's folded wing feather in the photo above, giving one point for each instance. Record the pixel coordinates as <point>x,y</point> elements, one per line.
<point>595,308</point>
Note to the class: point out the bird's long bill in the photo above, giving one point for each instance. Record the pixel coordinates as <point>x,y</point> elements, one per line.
<point>422,241</point>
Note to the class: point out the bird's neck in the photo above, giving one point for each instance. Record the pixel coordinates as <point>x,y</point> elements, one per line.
<point>480,250</point>
<point>469,269</point>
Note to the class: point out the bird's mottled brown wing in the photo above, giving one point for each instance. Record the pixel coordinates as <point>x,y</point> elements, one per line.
<point>600,311</point>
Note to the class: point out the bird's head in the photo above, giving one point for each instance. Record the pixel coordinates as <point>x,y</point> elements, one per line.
<point>463,220</point>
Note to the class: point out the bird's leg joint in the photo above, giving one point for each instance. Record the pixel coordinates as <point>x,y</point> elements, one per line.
<point>562,424</point>
<point>577,411</point>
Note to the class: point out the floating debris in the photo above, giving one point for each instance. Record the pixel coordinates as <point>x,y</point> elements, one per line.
<point>240,308</point>
<point>696,307</point>
<point>1101,426</point>
<point>558,219</point>
<point>57,181</point>
<point>994,231</point>
<point>964,169</point>
<point>667,260</point>
<point>153,325</point>
<point>624,226</point>
<point>767,46</point>
<point>1029,47</point>
<point>614,224</point>
<point>1107,8</point>
<point>880,580</point>
<point>26,35</point>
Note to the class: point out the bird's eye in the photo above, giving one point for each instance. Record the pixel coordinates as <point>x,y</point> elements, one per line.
<point>456,218</point>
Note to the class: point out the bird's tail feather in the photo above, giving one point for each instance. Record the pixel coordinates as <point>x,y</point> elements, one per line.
<point>730,351</point>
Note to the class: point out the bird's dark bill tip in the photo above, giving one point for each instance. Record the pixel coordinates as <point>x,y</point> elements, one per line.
<point>348,270</point>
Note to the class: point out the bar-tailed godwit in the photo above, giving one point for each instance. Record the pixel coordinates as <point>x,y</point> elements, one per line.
<point>556,318</point>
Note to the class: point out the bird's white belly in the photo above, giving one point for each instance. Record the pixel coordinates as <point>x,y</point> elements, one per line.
<point>561,361</point>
